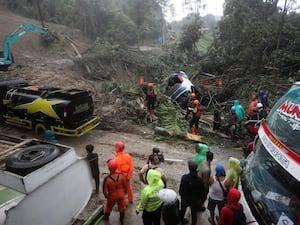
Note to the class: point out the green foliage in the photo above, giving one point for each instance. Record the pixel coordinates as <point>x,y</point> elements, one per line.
<point>123,88</point>
<point>190,36</point>
<point>170,116</point>
<point>254,35</point>
<point>205,42</point>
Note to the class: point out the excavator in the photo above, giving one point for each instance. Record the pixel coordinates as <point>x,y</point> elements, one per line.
<point>6,57</point>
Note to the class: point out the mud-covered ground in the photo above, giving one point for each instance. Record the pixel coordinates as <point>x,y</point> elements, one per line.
<point>139,145</point>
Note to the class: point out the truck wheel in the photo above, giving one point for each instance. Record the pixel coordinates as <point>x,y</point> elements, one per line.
<point>40,130</point>
<point>31,158</point>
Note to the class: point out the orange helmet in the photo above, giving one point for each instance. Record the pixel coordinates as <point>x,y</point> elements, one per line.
<point>193,95</point>
<point>196,102</point>
<point>150,85</point>
<point>112,165</point>
<point>119,146</point>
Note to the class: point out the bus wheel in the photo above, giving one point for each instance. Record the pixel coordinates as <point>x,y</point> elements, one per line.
<point>31,158</point>
<point>40,130</point>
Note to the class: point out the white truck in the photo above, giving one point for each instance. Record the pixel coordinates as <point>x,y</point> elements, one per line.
<point>41,183</point>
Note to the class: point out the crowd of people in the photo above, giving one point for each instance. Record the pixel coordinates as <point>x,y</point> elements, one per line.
<point>258,109</point>
<point>202,185</point>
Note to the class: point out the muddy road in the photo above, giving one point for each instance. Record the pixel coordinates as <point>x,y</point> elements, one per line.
<point>139,144</point>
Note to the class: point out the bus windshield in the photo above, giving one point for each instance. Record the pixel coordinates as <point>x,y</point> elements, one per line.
<point>273,190</point>
<point>284,119</point>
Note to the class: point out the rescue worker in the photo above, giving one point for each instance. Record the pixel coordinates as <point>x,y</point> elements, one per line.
<point>125,166</point>
<point>114,189</point>
<point>150,204</point>
<point>197,112</point>
<point>190,104</point>
<point>151,98</point>
<point>93,161</point>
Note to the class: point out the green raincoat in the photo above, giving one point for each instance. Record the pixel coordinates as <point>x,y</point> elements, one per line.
<point>201,156</point>
<point>234,170</point>
<point>149,195</point>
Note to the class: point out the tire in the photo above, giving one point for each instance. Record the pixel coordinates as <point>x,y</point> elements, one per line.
<point>40,130</point>
<point>31,158</point>
<point>5,85</point>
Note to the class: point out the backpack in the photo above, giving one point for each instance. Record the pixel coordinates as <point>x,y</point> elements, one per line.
<point>239,217</point>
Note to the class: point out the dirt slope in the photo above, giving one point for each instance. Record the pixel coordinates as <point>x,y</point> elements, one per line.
<point>38,64</point>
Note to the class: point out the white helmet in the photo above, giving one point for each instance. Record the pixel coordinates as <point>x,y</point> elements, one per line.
<point>168,196</point>
<point>259,105</point>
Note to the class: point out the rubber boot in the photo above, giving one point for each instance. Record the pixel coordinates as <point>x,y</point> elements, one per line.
<point>193,130</point>
<point>197,131</point>
<point>122,216</point>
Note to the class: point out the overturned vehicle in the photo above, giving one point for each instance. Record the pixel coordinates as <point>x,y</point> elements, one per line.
<point>179,89</point>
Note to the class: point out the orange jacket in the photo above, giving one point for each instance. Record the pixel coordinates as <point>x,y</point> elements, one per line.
<point>114,186</point>
<point>125,164</point>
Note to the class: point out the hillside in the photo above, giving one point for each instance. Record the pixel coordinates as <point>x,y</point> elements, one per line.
<point>41,65</point>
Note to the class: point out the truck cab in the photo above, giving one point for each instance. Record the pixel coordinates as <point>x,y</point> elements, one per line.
<point>270,182</point>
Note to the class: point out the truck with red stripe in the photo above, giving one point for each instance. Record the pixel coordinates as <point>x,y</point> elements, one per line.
<point>67,112</point>
<point>270,182</point>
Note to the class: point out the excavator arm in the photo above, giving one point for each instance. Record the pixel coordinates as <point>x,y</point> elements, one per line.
<point>6,57</point>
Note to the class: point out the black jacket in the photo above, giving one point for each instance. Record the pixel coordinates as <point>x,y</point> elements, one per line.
<point>191,188</point>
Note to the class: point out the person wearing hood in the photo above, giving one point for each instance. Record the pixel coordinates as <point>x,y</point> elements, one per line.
<point>125,166</point>
<point>114,189</point>
<point>233,173</point>
<point>150,203</point>
<point>227,214</point>
<point>49,137</point>
<point>240,112</point>
<point>192,192</point>
<point>200,155</point>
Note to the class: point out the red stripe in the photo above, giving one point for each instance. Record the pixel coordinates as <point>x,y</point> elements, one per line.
<point>280,145</point>
<point>252,221</point>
